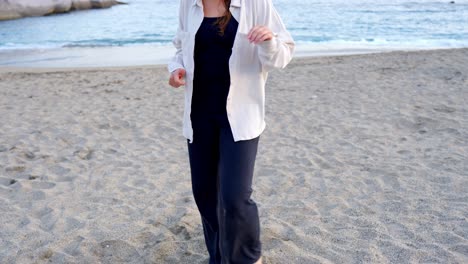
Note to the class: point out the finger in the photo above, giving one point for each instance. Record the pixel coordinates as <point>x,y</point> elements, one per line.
<point>253,31</point>
<point>177,76</point>
<point>250,32</point>
<point>266,36</point>
<point>173,82</point>
<point>175,85</point>
<point>257,36</point>
<point>261,36</point>
<point>180,75</point>
<point>179,81</point>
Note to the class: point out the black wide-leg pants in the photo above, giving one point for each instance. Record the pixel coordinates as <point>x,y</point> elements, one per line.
<point>221,172</point>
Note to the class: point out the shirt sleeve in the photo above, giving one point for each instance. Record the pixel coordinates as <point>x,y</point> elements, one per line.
<point>277,52</point>
<point>176,61</point>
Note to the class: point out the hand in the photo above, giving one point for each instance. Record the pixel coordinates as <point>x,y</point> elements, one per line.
<point>259,34</point>
<point>177,78</point>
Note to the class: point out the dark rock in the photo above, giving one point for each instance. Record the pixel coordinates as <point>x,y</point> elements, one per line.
<point>13,9</point>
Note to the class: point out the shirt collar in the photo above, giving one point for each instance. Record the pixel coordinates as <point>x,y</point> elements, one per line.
<point>235,3</point>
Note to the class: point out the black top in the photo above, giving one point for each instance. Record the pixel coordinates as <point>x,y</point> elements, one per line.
<point>211,74</point>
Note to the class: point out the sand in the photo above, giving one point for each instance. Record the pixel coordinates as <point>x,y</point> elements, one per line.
<point>364,160</point>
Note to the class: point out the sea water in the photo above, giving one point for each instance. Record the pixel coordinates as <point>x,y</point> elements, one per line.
<point>339,23</point>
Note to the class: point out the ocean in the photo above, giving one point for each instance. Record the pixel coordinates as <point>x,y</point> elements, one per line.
<point>340,23</point>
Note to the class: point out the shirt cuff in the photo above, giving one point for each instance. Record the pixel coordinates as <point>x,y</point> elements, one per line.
<point>270,46</point>
<point>174,66</point>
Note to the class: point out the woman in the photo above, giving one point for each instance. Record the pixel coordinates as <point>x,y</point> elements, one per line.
<point>225,49</point>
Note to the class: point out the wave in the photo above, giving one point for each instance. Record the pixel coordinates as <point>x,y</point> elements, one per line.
<point>384,43</point>
<point>312,41</point>
<point>85,44</point>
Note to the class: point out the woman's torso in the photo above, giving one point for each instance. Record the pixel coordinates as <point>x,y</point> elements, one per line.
<point>211,72</point>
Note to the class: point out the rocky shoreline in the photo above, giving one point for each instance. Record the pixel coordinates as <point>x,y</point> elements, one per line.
<point>14,9</point>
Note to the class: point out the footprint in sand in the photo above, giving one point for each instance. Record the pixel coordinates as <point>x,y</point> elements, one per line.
<point>73,248</point>
<point>47,218</point>
<point>444,109</point>
<point>180,231</point>
<point>3,148</point>
<point>48,221</point>
<point>32,177</point>
<point>461,248</point>
<point>117,251</point>
<point>7,181</point>
<point>84,153</point>
<point>420,124</point>
<point>72,223</point>
<point>59,170</point>
<point>394,252</point>
<point>15,168</point>
<point>42,185</point>
<point>29,155</point>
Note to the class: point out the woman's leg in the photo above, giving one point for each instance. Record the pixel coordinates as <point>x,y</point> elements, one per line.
<point>239,223</point>
<point>204,158</point>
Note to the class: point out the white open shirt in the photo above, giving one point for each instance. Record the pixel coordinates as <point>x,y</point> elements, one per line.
<point>249,63</point>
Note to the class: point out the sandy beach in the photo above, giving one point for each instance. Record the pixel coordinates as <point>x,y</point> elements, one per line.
<point>364,160</point>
